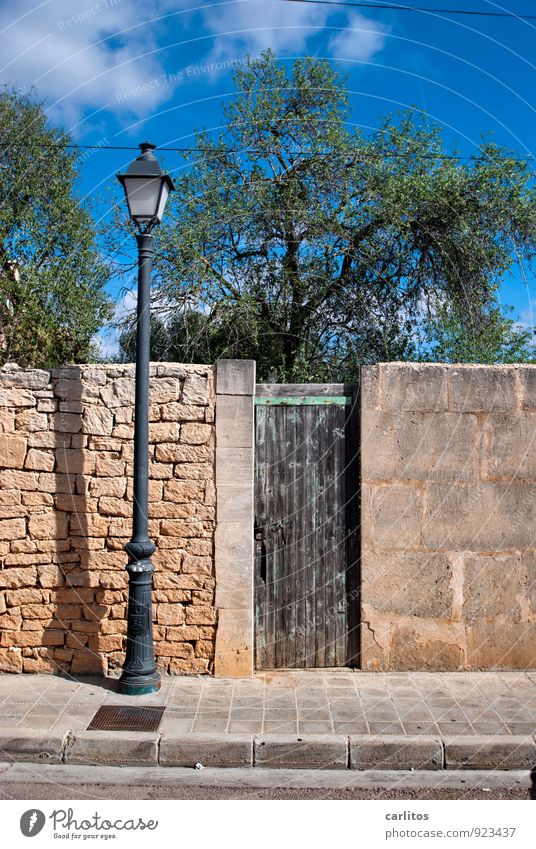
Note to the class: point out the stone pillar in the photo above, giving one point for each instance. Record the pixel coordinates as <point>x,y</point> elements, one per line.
<point>234,552</point>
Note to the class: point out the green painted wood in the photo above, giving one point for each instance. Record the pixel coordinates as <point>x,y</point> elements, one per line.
<point>296,401</point>
<point>306,525</point>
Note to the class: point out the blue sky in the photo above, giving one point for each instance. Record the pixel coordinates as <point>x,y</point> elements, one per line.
<point>119,71</point>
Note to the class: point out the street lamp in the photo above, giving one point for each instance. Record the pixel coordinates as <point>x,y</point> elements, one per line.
<point>146,189</point>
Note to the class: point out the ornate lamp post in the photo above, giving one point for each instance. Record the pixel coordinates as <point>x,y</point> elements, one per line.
<point>146,189</point>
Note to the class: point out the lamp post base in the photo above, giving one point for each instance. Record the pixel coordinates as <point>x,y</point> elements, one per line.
<point>142,685</point>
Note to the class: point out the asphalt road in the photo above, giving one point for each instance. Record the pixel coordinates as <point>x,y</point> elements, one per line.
<point>26,790</point>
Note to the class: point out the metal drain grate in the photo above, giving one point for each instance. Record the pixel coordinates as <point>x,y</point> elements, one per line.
<point>126,718</point>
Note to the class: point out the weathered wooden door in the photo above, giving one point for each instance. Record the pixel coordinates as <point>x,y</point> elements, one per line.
<point>306,526</point>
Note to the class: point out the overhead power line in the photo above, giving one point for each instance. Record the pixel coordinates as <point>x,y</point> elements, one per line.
<point>397,7</point>
<point>327,152</point>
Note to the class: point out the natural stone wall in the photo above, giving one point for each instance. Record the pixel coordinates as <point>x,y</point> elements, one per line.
<point>66,445</point>
<point>448,517</point>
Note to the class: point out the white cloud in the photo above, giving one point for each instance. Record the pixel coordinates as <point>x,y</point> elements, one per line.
<point>360,39</point>
<point>250,26</point>
<point>84,56</point>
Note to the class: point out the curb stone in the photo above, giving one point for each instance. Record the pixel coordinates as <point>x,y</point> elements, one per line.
<point>119,748</point>
<point>34,746</point>
<point>306,751</point>
<point>493,752</point>
<point>395,752</point>
<point>209,750</point>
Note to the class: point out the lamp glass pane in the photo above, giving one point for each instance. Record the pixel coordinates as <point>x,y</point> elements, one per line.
<point>163,200</point>
<point>142,196</point>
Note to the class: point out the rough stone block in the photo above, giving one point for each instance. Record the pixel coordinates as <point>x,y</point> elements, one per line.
<point>66,422</point>
<point>121,748</point>
<point>426,646</point>
<point>41,461</point>
<point>420,446</point>
<point>395,752</point>
<point>491,516</point>
<point>15,578</point>
<point>216,750</point>
<point>407,583</point>
<point>511,446</point>
<point>12,451</point>
<point>527,375</point>
<point>98,421</point>
<point>193,433</point>
<point>12,529</point>
<point>501,645</point>
<point>16,398</point>
<point>317,751</point>
<point>391,515</point>
<point>165,390</point>
<point>118,392</point>
<point>414,387</point>
<point>491,587</point>
<point>483,388</point>
<point>48,525</point>
<point>491,752</point>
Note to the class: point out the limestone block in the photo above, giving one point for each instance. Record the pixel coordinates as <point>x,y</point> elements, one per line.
<point>66,422</point>
<point>160,471</point>
<point>165,510</point>
<point>164,390</point>
<point>167,649</point>
<point>483,388</point>
<point>56,483</point>
<point>170,614</point>
<point>41,461</point>
<point>183,492</point>
<point>12,529</point>
<point>12,451</point>
<point>527,375</point>
<point>235,377</point>
<point>369,388</point>
<point>235,415</point>
<point>31,421</point>
<point>233,656</point>
<point>181,528</point>
<point>12,376</point>
<point>234,466</point>
<point>391,515</point>
<point>164,432</point>
<point>193,471</point>
<point>511,446</point>
<point>113,487</point>
<point>47,405</point>
<point>193,433</point>
<point>118,392</point>
<point>188,666</point>
<point>114,507</point>
<point>175,412</point>
<point>15,578</point>
<point>48,525</point>
<point>407,583</point>
<point>49,439</point>
<point>10,660</point>
<point>490,516</point>
<point>37,499</point>
<point>420,446</point>
<point>414,387</point>
<point>74,461</point>
<point>108,467</point>
<point>172,453</point>
<point>195,389</point>
<point>501,645</point>
<point>98,421</point>
<point>411,649</point>
<point>7,420</point>
<point>491,587</point>
<point>16,398</point>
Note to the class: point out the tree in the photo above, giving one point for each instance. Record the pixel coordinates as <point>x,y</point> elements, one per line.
<point>52,297</point>
<point>322,248</point>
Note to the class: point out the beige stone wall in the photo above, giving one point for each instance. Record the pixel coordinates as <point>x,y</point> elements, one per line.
<point>66,442</point>
<point>448,517</point>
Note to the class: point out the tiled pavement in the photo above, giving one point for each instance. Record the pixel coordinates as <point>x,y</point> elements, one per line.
<point>292,702</point>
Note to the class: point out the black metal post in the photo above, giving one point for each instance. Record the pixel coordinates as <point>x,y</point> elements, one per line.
<point>139,670</point>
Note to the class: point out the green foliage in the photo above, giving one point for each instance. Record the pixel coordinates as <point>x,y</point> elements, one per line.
<point>314,248</point>
<point>52,298</point>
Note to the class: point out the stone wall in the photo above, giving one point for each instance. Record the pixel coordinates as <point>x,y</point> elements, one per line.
<point>448,517</point>
<point>66,443</point>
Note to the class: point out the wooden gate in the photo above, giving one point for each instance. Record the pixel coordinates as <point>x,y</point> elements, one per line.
<point>306,526</point>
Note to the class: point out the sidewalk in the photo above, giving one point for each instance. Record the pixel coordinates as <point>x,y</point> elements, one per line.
<point>299,719</point>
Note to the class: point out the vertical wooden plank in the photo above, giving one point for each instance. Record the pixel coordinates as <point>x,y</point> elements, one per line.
<point>309,536</point>
<point>340,612</point>
<point>260,523</point>
<point>352,513</point>
<point>290,536</point>
<point>320,547</point>
<point>301,532</point>
<point>279,516</point>
<point>335,559</point>
<point>271,539</point>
